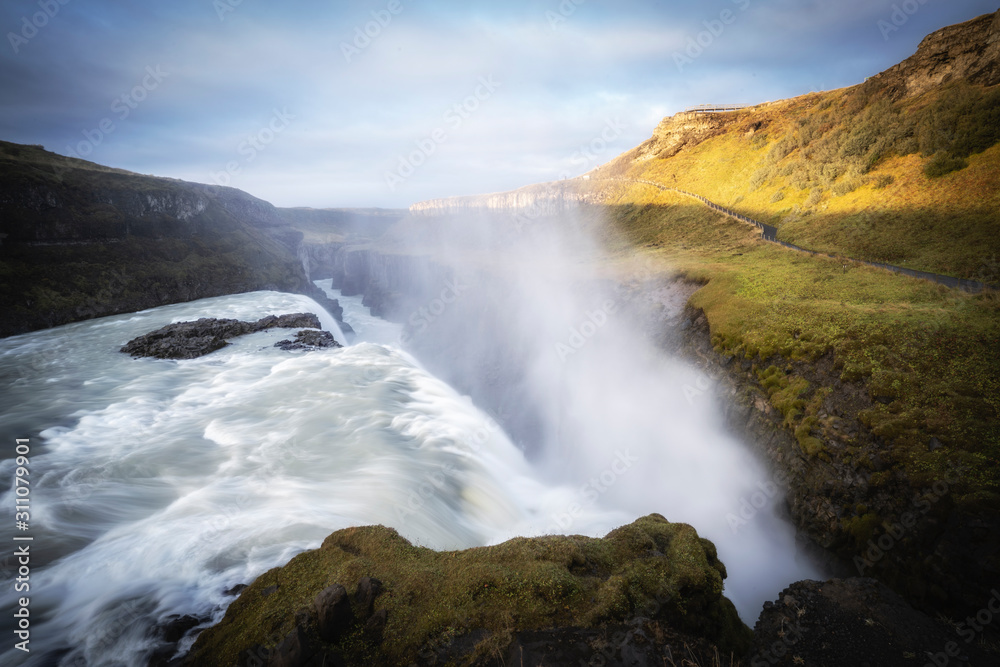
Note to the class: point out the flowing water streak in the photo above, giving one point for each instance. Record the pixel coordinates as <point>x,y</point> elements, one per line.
<point>157,485</point>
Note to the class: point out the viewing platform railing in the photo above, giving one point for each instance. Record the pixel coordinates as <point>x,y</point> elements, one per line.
<point>713,108</point>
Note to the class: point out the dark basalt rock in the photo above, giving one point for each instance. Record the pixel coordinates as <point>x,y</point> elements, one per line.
<point>235,590</point>
<point>170,632</point>
<point>309,340</point>
<point>188,340</point>
<point>331,618</point>
<point>859,622</point>
<point>369,588</point>
<point>333,611</point>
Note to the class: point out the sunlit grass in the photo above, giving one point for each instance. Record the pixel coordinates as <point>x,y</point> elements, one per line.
<point>838,172</point>
<point>927,353</point>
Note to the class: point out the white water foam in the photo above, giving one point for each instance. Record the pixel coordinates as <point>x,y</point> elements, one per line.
<point>157,485</point>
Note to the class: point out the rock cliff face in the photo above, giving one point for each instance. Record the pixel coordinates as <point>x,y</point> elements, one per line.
<point>969,51</point>
<point>936,554</point>
<point>678,132</point>
<point>82,241</point>
<point>535,200</point>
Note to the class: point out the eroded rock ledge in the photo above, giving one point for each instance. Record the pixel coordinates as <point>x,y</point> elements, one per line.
<point>188,340</point>
<point>369,597</point>
<point>649,593</point>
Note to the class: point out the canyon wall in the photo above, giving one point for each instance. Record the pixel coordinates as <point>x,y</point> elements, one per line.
<point>79,241</point>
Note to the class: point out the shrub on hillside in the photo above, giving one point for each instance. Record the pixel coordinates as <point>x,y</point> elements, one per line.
<point>846,187</point>
<point>781,149</point>
<point>800,176</point>
<point>857,136</point>
<point>759,178</point>
<point>944,163</point>
<point>831,172</point>
<point>964,122</point>
<point>884,181</point>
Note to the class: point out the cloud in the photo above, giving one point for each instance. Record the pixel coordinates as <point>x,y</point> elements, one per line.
<point>354,117</point>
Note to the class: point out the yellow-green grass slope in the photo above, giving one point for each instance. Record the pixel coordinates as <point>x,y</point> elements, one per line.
<point>914,182</point>
<point>927,353</point>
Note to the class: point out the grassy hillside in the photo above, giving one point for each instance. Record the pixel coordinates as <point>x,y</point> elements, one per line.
<point>914,182</point>
<point>899,169</point>
<point>925,353</point>
<point>889,384</point>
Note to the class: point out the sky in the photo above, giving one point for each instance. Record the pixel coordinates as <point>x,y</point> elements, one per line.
<point>389,102</point>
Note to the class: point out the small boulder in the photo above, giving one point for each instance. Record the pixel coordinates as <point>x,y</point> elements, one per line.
<point>369,588</point>
<point>310,339</point>
<point>333,610</point>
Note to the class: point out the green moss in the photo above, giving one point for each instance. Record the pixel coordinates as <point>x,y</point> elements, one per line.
<point>788,398</point>
<point>518,585</point>
<point>862,528</point>
<point>878,479</point>
<point>810,445</point>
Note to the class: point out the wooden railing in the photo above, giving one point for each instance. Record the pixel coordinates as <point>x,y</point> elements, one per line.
<point>715,108</point>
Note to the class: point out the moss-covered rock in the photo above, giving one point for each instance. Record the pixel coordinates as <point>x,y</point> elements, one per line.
<point>470,606</point>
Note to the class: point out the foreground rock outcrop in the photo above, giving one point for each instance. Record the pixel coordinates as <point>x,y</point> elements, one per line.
<point>189,340</point>
<point>859,622</point>
<point>649,593</point>
<point>368,597</point>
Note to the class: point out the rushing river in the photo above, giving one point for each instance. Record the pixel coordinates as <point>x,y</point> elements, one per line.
<point>156,486</point>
